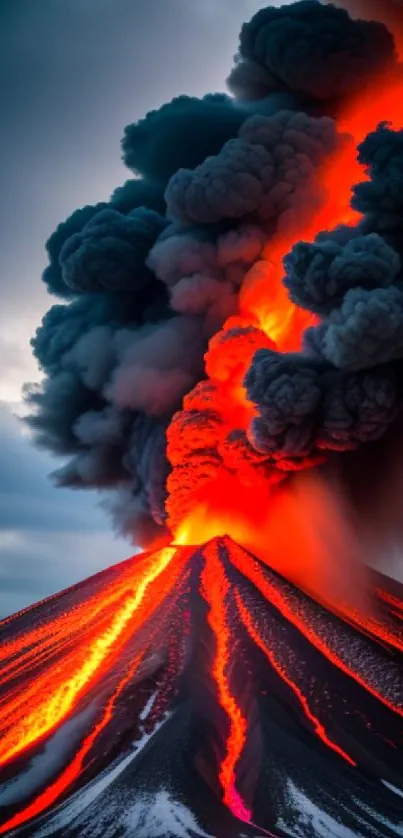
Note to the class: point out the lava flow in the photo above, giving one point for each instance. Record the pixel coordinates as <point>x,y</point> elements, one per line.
<point>341,695</point>
<point>213,463</point>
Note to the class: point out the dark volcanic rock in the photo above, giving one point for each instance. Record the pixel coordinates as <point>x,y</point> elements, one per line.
<point>137,747</point>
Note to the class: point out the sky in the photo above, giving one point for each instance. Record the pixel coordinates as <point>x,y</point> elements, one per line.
<point>73,73</point>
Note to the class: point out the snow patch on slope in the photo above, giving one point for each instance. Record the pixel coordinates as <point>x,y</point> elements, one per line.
<point>159,814</point>
<point>80,801</point>
<point>307,819</point>
<point>42,767</point>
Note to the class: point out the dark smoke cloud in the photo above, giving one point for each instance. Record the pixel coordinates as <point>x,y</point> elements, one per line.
<point>256,174</point>
<point>346,387</point>
<point>182,133</point>
<point>365,331</point>
<point>316,51</point>
<point>319,275</point>
<point>389,12</point>
<point>381,198</point>
<point>110,251</point>
<point>306,406</point>
<point>52,275</point>
<point>134,194</point>
<point>146,278</point>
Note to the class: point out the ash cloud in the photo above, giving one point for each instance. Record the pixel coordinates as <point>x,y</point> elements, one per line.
<point>345,387</point>
<point>257,174</point>
<point>316,51</point>
<point>148,277</point>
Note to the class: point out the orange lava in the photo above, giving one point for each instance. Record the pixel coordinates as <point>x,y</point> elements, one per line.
<point>317,725</point>
<point>215,589</point>
<point>253,572</point>
<point>56,789</point>
<point>218,485</point>
<point>392,602</point>
<point>384,633</point>
<point>49,698</point>
<point>263,298</point>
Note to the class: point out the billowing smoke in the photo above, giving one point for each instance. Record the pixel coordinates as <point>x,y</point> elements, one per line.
<point>147,279</point>
<point>345,387</point>
<point>389,12</point>
<point>320,54</point>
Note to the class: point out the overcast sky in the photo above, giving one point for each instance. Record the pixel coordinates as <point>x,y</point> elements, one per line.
<point>73,73</point>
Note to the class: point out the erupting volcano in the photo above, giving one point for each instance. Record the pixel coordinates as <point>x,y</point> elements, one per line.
<point>227,364</point>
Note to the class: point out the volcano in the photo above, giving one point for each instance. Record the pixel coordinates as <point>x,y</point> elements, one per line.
<point>193,691</point>
<point>229,338</point>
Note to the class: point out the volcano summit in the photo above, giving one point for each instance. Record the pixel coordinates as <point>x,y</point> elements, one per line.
<point>195,692</point>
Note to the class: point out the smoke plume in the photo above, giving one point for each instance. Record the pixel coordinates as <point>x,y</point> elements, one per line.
<point>147,280</point>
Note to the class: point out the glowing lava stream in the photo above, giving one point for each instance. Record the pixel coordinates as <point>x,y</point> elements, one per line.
<point>269,654</point>
<point>21,728</point>
<point>215,589</point>
<point>266,314</point>
<point>253,572</point>
<point>73,770</point>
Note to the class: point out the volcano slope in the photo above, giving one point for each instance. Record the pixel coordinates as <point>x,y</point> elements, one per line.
<point>195,692</point>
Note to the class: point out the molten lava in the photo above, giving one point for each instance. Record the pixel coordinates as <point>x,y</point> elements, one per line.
<point>52,697</point>
<point>214,466</point>
<point>216,588</point>
<point>343,689</point>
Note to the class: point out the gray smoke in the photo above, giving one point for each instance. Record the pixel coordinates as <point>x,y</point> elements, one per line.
<point>315,50</point>
<point>146,278</point>
<point>346,386</point>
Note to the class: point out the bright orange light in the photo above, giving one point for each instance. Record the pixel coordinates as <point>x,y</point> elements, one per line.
<point>219,485</point>
<point>253,572</point>
<point>54,791</point>
<point>271,657</point>
<point>210,486</point>
<point>215,589</point>
<point>263,297</point>
<point>48,700</point>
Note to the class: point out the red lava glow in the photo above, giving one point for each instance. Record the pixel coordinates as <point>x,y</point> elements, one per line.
<point>383,633</point>
<point>215,589</point>
<point>212,492</point>
<point>264,300</point>
<point>271,657</point>
<point>392,602</point>
<point>273,595</point>
<point>155,583</point>
<point>73,770</point>
<point>26,717</point>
